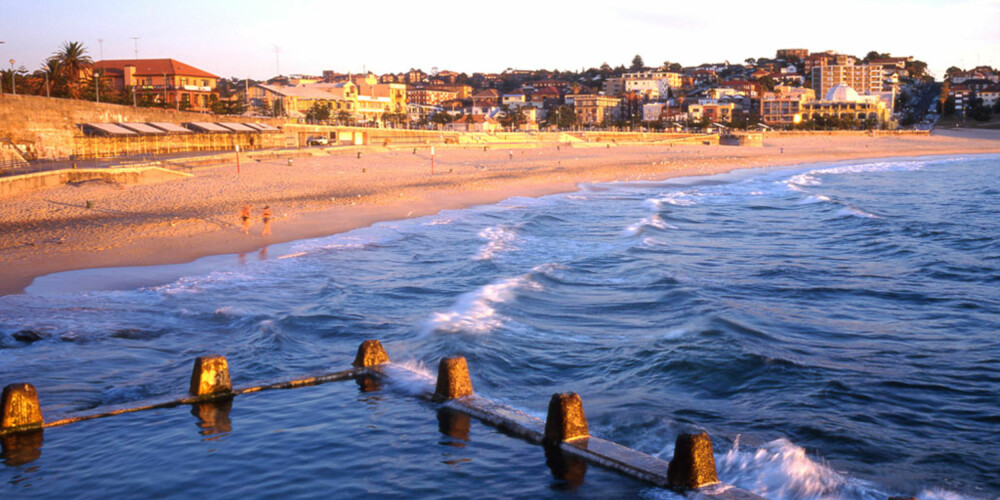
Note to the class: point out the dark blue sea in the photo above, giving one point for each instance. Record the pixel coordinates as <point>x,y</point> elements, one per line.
<point>834,327</point>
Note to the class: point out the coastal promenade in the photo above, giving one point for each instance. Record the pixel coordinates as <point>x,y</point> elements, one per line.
<point>320,192</point>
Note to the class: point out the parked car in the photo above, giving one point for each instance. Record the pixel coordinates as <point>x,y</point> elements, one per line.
<point>318,141</point>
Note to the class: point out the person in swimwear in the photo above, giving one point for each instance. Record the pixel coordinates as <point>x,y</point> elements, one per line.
<point>266,215</point>
<point>245,218</point>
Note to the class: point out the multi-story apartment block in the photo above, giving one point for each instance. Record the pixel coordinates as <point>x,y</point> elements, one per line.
<point>163,81</point>
<point>700,76</point>
<point>673,79</point>
<point>545,96</point>
<point>486,97</point>
<point>651,84</point>
<point>647,87</point>
<point>863,78</point>
<point>614,86</point>
<point>395,92</point>
<point>790,53</point>
<point>560,85</point>
<point>286,100</point>
<point>592,109</point>
<point>714,111</point>
<point>430,96</point>
<point>515,99</point>
<point>784,105</point>
<point>749,89</point>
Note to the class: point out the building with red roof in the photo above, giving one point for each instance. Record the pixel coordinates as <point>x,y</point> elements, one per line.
<point>161,81</point>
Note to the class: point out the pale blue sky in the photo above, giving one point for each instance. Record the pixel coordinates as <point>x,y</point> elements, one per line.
<point>237,38</point>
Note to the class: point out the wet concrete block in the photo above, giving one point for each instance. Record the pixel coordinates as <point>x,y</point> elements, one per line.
<point>21,410</point>
<point>370,353</point>
<point>508,420</point>
<point>210,376</point>
<point>616,457</point>
<point>453,379</point>
<point>693,465</point>
<point>565,420</point>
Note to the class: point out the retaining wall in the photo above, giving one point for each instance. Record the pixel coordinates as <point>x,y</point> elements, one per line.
<point>18,184</point>
<point>849,133</point>
<point>46,127</point>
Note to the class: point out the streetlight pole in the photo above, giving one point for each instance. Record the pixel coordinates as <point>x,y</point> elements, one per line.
<point>13,89</point>
<point>1,82</point>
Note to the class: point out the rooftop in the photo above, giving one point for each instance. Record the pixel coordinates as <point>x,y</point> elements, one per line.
<point>151,67</point>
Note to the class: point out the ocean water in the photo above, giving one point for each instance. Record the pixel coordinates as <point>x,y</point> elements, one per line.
<point>833,327</point>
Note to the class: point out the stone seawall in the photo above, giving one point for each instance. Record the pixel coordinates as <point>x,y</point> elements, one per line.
<point>846,133</point>
<point>46,127</point>
<point>19,184</point>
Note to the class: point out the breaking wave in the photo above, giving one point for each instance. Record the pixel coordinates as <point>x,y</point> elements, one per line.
<point>499,239</point>
<point>474,312</point>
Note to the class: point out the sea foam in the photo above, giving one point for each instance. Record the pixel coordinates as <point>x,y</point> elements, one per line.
<point>499,239</point>
<point>474,311</point>
<point>781,470</point>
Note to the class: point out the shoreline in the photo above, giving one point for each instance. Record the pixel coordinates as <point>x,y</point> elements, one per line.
<point>179,222</point>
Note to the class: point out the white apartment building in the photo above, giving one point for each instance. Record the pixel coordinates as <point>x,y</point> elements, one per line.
<point>864,78</point>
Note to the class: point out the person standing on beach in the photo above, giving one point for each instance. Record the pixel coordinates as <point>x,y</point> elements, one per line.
<point>245,218</point>
<point>266,216</point>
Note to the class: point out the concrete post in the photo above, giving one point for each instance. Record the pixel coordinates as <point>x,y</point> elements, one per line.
<point>21,410</point>
<point>453,379</point>
<point>370,353</point>
<point>693,465</point>
<point>566,420</point>
<point>210,376</point>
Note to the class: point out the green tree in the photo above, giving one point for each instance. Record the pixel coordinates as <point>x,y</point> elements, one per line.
<point>319,111</point>
<point>265,107</point>
<point>952,70</point>
<point>917,69</point>
<point>512,118</point>
<point>562,117</point>
<point>14,79</point>
<point>669,66</point>
<point>767,82</point>
<point>637,63</point>
<point>949,105</point>
<point>442,118</point>
<point>72,61</point>
<point>739,121</point>
<point>48,72</point>
<point>873,55</point>
<point>978,110</point>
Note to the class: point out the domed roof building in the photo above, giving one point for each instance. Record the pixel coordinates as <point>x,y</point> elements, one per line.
<point>844,104</point>
<point>842,92</point>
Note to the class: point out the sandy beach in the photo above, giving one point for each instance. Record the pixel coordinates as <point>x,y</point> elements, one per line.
<point>174,222</point>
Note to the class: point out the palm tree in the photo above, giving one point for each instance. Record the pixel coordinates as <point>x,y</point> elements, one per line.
<point>49,73</point>
<point>73,61</point>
